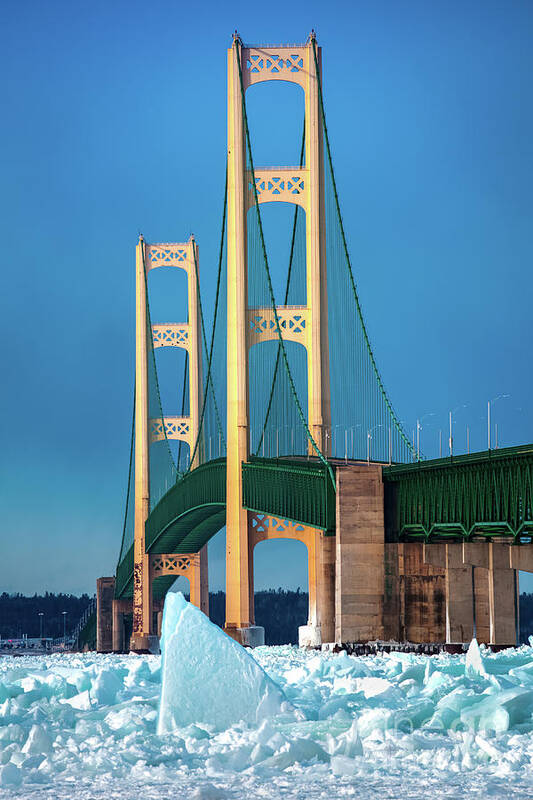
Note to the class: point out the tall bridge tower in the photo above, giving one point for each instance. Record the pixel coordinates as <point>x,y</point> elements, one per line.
<point>303,185</point>
<point>149,431</point>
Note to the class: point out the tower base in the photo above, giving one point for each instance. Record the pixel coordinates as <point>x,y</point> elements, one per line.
<point>309,636</point>
<point>145,645</point>
<point>251,636</point>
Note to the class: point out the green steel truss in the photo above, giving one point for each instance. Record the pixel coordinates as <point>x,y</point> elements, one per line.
<point>485,494</point>
<point>194,509</point>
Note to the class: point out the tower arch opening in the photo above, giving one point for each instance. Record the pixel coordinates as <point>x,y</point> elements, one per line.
<point>281,596</point>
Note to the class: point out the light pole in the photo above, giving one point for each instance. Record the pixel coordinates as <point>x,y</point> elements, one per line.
<point>489,404</point>
<point>352,438</point>
<point>64,626</point>
<point>368,439</point>
<point>418,429</point>
<point>334,440</point>
<point>40,614</point>
<point>450,441</point>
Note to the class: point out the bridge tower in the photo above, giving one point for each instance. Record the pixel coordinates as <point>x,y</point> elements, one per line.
<point>304,186</point>
<point>147,431</point>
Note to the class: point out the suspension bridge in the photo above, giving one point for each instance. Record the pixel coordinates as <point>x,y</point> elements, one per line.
<point>286,430</point>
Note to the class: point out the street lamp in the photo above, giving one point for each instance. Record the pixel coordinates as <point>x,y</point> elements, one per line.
<point>368,438</point>
<point>334,439</point>
<point>450,441</point>
<point>352,438</point>
<point>418,429</point>
<point>64,626</point>
<point>40,614</point>
<point>489,404</point>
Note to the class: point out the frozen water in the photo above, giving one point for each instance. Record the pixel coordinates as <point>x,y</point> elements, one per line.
<point>207,677</point>
<point>84,727</point>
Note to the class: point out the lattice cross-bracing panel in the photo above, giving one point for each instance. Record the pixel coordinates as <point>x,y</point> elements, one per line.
<point>169,255</point>
<point>173,334</point>
<point>173,564</point>
<point>281,184</point>
<point>170,428</point>
<point>263,523</point>
<point>293,322</point>
<point>276,63</point>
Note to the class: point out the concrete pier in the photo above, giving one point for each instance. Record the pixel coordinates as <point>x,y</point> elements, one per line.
<point>360,554</point>
<point>105,591</point>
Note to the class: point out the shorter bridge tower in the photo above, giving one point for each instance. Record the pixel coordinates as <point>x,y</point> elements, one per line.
<point>186,335</point>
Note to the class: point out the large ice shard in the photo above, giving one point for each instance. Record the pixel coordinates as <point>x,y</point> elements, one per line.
<point>207,677</point>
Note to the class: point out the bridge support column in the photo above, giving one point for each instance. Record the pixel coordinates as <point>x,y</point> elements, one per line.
<point>496,590</point>
<point>459,596</point>
<point>422,595</point>
<point>105,590</point>
<point>459,589</point>
<point>391,600</point>
<point>142,637</point>
<point>239,611</point>
<point>481,604</point>
<point>360,554</point>
<point>120,607</point>
<point>503,596</point>
<point>320,628</point>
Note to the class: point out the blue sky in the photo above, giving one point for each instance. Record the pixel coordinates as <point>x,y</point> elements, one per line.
<point>115,123</point>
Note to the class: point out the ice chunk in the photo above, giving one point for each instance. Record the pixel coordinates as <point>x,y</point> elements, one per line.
<point>208,792</point>
<point>207,676</point>
<point>349,743</point>
<point>372,687</point>
<point>105,687</point>
<point>498,712</point>
<point>38,741</point>
<point>10,775</point>
<point>297,751</point>
<point>80,701</point>
<point>341,765</point>
<point>474,661</point>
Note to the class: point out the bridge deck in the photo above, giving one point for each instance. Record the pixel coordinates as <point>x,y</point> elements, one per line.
<point>194,509</point>
<point>485,494</point>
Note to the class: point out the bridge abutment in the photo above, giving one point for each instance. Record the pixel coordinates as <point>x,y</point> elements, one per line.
<point>360,554</point>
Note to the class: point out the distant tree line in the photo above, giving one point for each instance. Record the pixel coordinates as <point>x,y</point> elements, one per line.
<point>279,611</point>
<point>20,615</point>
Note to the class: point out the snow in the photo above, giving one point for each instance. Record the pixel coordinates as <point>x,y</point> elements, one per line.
<point>209,678</point>
<point>84,727</point>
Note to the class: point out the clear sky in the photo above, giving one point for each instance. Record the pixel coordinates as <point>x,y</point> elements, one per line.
<point>114,122</point>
